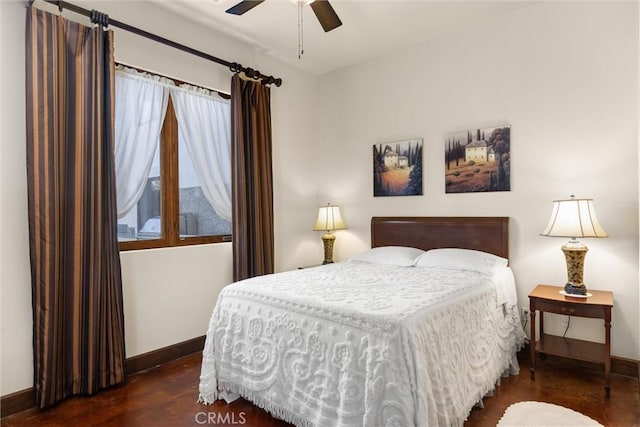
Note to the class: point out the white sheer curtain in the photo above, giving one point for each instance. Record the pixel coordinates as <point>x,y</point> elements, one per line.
<point>204,125</point>
<point>141,104</point>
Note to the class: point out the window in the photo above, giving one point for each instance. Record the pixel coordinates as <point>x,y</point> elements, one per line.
<point>173,162</point>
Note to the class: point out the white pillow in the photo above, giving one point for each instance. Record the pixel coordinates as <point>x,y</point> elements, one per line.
<point>390,255</point>
<point>461,259</point>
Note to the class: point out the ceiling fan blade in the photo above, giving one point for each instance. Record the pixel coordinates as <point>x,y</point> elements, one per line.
<point>243,7</point>
<point>326,15</point>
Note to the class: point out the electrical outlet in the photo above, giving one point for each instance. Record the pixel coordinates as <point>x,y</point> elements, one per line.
<point>524,311</point>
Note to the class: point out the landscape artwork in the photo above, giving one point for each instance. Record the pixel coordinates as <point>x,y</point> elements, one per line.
<point>397,168</point>
<point>478,160</point>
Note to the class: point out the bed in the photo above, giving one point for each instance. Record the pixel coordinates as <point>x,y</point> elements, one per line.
<point>397,336</point>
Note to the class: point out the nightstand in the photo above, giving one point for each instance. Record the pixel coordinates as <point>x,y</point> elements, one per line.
<point>546,298</point>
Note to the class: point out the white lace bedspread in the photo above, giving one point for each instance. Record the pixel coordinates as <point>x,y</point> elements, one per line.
<point>358,344</point>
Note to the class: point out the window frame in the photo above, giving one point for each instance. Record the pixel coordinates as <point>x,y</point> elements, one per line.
<point>170,191</point>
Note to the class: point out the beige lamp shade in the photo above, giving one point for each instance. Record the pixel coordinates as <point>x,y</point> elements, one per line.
<point>573,218</point>
<point>329,219</point>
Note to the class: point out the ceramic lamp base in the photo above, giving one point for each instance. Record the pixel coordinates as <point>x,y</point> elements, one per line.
<point>328,239</point>
<point>574,253</point>
<point>571,289</point>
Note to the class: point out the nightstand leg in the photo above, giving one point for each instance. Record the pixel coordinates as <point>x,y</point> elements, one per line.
<point>543,356</point>
<point>607,355</point>
<point>532,341</point>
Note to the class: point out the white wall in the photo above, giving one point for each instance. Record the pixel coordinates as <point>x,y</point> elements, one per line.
<point>565,76</point>
<point>168,293</point>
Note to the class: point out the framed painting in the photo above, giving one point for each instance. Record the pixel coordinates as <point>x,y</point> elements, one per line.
<point>397,168</point>
<point>478,160</point>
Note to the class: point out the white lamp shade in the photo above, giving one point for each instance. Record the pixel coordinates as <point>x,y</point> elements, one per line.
<point>573,218</point>
<point>329,218</point>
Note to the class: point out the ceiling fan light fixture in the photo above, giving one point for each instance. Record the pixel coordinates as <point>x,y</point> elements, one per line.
<point>323,10</point>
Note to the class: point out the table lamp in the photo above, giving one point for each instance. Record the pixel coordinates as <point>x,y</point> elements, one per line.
<point>329,219</point>
<point>574,218</point>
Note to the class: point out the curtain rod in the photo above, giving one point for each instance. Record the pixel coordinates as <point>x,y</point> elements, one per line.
<point>104,20</point>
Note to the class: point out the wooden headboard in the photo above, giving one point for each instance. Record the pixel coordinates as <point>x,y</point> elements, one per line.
<point>488,234</point>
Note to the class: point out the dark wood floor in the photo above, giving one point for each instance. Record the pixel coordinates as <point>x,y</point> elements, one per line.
<point>166,396</point>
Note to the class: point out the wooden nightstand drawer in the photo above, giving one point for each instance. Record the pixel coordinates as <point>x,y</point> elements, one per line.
<point>569,309</point>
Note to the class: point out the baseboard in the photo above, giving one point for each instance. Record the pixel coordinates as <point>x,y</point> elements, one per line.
<point>619,365</point>
<point>623,366</point>
<point>17,402</point>
<point>24,399</point>
<point>163,355</point>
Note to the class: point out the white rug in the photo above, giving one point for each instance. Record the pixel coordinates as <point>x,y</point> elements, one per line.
<point>540,414</point>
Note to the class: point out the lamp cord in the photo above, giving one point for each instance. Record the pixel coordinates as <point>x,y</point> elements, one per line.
<point>567,328</point>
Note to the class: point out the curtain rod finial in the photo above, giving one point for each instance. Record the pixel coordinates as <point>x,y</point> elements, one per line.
<point>271,80</point>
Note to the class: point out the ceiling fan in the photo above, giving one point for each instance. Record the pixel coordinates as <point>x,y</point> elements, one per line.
<point>323,10</point>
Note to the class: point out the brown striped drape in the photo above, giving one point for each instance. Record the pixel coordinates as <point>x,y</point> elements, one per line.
<point>252,182</point>
<point>78,323</point>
